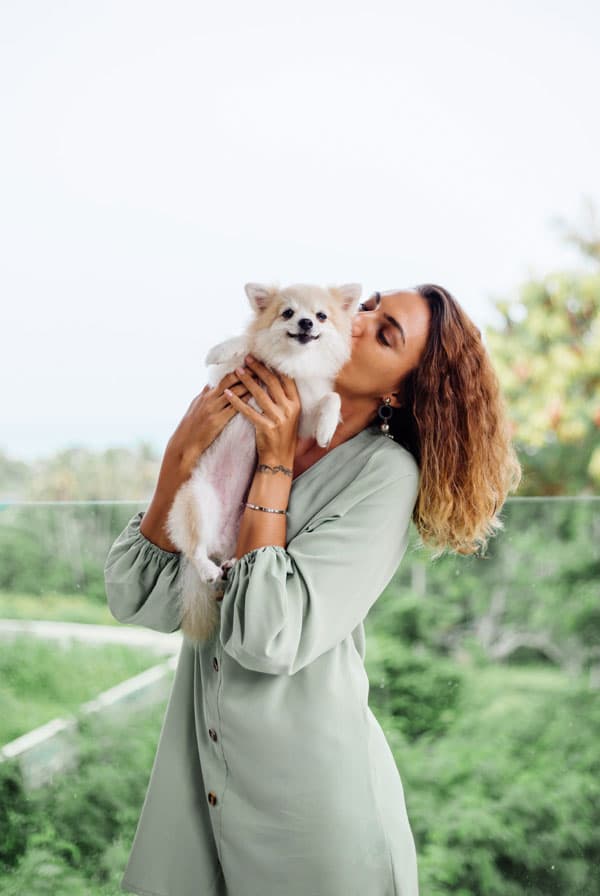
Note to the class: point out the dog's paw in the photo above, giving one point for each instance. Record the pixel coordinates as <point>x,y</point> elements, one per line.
<point>208,571</point>
<point>231,352</point>
<point>217,355</point>
<point>226,566</point>
<point>324,432</point>
<point>327,419</point>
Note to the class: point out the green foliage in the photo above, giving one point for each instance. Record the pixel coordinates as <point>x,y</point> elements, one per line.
<point>13,812</point>
<point>533,597</point>
<point>65,838</point>
<point>81,474</point>
<point>546,351</point>
<point>416,690</point>
<point>503,796</point>
<point>61,549</point>
<point>510,804</point>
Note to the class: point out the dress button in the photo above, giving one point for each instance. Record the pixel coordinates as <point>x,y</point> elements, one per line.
<point>212,733</point>
<point>215,664</point>
<point>212,798</point>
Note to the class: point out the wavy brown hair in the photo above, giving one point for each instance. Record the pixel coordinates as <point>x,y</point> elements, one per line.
<point>454,421</point>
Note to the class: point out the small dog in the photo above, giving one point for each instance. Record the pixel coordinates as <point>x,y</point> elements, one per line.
<point>303,332</point>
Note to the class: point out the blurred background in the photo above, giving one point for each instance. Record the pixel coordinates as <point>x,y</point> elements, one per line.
<point>154,158</point>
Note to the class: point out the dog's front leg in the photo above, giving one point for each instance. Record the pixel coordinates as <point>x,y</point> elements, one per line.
<point>328,417</point>
<point>231,352</point>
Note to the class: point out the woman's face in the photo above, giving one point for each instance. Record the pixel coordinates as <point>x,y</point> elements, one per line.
<point>376,369</point>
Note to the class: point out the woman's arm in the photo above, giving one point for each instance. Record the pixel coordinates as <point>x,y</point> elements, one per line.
<point>143,581</point>
<point>283,608</point>
<point>270,488</point>
<point>142,571</point>
<point>171,477</point>
<point>276,431</point>
<point>206,417</point>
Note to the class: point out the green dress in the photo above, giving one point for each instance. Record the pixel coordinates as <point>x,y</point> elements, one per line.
<point>272,776</point>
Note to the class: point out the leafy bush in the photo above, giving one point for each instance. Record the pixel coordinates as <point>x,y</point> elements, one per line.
<point>71,831</point>
<point>411,686</point>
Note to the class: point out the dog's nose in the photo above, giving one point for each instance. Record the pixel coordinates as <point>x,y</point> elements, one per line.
<point>305,324</point>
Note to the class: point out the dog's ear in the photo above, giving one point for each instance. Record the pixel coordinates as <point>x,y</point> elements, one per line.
<point>259,295</point>
<point>347,295</point>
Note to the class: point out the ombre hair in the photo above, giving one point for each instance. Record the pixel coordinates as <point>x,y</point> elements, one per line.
<point>454,422</point>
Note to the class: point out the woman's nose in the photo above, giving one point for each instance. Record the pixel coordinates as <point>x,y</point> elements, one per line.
<point>357,324</point>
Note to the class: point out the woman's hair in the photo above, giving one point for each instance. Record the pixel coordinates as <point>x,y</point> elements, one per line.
<point>454,421</point>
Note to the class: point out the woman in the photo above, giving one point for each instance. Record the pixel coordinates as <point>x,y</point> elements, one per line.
<point>272,775</point>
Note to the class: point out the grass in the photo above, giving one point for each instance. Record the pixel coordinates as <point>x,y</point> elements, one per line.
<point>54,607</point>
<point>40,681</point>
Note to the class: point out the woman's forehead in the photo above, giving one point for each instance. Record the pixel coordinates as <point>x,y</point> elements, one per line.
<point>405,295</point>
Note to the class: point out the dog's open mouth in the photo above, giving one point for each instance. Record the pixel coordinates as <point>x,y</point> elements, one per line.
<point>303,337</point>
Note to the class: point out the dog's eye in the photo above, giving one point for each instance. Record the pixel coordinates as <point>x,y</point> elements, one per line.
<point>289,312</point>
<point>321,315</point>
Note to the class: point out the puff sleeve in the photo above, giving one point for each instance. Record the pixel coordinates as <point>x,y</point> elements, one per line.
<point>143,581</point>
<point>282,608</point>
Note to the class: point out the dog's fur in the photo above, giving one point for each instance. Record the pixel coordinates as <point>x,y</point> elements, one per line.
<point>206,513</point>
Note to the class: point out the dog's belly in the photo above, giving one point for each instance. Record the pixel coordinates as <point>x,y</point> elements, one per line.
<point>229,464</point>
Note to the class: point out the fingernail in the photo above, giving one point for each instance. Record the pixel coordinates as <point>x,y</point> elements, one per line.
<point>239,371</point>
<point>248,359</point>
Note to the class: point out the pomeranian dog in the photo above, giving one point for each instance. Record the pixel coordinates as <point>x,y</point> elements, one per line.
<point>304,332</point>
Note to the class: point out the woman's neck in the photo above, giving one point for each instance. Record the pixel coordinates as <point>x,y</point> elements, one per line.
<point>355,417</point>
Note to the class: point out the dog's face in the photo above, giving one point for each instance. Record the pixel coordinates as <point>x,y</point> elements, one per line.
<point>302,329</point>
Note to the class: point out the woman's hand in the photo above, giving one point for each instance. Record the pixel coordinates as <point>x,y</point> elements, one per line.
<point>205,418</point>
<point>277,427</point>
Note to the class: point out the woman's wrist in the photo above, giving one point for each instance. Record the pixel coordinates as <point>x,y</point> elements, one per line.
<point>271,466</point>
<point>271,488</point>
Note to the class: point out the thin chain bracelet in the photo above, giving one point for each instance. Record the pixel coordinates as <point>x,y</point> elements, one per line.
<point>265,468</point>
<point>258,507</point>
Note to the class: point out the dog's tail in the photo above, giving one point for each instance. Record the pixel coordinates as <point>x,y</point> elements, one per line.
<point>200,610</point>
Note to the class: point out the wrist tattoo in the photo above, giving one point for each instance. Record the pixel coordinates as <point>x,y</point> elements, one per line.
<point>265,468</point>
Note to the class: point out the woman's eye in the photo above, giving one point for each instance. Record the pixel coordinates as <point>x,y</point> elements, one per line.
<point>363,307</point>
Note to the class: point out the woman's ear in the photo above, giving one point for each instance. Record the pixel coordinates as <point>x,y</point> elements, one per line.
<point>396,399</point>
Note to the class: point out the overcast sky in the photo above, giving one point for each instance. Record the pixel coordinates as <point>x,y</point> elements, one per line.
<point>157,156</point>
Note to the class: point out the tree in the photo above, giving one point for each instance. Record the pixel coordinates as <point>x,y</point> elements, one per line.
<point>546,351</point>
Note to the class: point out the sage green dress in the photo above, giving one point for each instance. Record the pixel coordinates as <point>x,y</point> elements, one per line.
<point>272,776</point>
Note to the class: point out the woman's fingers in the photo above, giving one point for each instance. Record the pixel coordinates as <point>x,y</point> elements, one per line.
<point>282,384</point>
<point>288,385</point>
<point>238,404</point>
<point>238,389</point>
<point>271,380</point>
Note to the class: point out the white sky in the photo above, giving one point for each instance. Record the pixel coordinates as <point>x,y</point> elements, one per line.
<point>154,157</point>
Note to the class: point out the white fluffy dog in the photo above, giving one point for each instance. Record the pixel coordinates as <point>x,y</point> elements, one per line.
<point>304,332</point>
